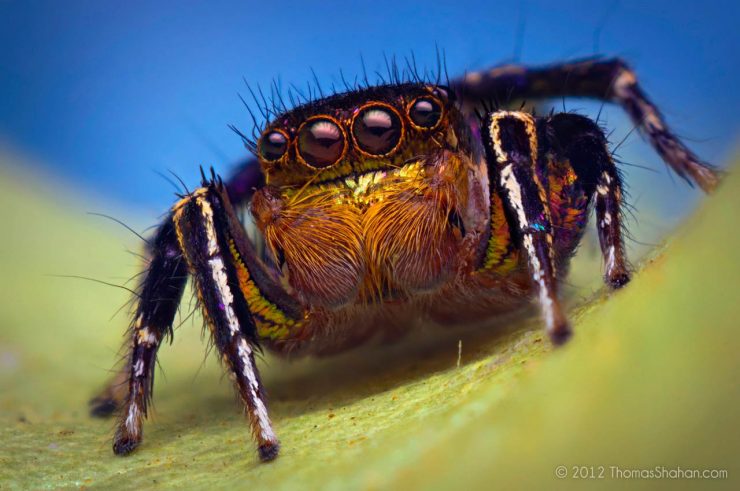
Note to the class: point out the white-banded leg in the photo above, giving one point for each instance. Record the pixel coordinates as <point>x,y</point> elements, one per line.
<point>580,142</point>
<point>159,296</point>
<point>602,79</point>
<point>511,144</point>
<point>201,221</point>
<point>609,226</point>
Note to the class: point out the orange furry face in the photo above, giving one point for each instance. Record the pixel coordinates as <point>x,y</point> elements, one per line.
<point>382,128</point>
<point>381,234</point>
<point>365,193</point>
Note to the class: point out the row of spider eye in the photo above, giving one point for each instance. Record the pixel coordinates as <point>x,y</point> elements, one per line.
<point>377,130</point>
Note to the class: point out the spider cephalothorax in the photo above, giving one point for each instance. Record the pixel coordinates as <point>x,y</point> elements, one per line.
<point>360,190</point>
<point>379,128</point>
<point>385,205</point>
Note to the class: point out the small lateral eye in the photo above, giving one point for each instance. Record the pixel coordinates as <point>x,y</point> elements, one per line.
<point>321,142</point>
<point>273,145</point>
<point>425,112</point>
<point>377,129</point>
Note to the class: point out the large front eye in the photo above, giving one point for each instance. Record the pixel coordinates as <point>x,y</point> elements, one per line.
<point>425,112</point>
<point>321,142</point>
<point>273,145</point>
<point>377,129</point>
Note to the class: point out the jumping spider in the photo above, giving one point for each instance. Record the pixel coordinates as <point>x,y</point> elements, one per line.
<point>383,204</point>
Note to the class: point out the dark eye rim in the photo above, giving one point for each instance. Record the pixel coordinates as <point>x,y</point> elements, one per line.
<point>442,113</point>
<point>259,144</point>
<point>336,122</point>
<point>384,105</point>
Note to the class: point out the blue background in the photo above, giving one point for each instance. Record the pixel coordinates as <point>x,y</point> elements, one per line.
<point>107,93</point>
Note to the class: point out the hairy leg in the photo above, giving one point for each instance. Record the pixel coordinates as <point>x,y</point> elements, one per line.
<point>159,295</point>
<point>242,184</point>
<point>235,293</point>
<point>580,143</point>
<point>245,180</point>
<point>603,79</point>
<point>113,395</point>
<point>512,148</point>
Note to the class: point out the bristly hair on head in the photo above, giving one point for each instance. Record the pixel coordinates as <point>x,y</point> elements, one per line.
<point>265,108</point>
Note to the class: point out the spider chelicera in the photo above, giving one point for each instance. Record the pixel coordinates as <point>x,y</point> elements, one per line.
<point>385,204</point>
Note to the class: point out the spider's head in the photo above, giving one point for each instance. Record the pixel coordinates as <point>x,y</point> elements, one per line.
<point>376,128</point>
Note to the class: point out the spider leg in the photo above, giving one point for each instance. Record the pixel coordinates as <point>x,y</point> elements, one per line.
<point>604,79</point>
<point>244,181</point>
<point>203,237</point>
<point>235,292</point>
<point>511,145</point>
<point>159,296</point>
<point>579,142</point>
<point>112,396</point>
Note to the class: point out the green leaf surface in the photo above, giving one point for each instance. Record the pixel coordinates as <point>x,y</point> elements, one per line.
<point>650,379</point>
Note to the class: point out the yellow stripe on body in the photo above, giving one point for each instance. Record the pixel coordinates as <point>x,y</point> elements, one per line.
<point>269,320</point>
<point>500,257</point>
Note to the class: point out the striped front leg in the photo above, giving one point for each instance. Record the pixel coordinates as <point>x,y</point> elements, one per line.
<point>602,79</point>
<point>159,296</point>
<point>208,233</point>
<point>511,144</point>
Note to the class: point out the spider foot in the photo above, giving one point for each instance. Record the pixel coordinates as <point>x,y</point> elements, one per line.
<point>125,444</point>
<point>560,333</point>
<point>556,323</point>
<point>617,279</point>
<point>102,407</point>
<point>268,451</point>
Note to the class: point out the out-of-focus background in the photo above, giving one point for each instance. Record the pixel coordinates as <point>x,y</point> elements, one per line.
<point>103,94</point>
<point>97,98</point>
